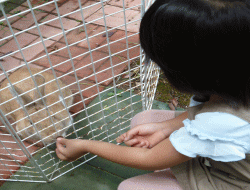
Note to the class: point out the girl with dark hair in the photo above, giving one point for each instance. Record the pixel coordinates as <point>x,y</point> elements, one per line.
<point>201,46</point>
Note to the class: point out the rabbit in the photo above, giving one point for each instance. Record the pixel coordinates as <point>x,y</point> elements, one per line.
<point>40,118</point>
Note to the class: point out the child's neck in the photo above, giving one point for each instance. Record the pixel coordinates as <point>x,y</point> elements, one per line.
<point>215,98</point>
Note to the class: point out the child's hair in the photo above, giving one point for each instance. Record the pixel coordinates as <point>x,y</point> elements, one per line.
<point>201,45</point>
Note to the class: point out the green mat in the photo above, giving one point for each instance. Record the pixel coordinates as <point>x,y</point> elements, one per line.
<point>106,124</point>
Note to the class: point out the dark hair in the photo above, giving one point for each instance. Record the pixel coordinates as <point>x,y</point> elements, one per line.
<point>201,45</point>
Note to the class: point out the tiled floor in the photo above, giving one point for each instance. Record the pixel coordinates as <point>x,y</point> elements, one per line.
<point>96,34</point>
<point>79,50</point>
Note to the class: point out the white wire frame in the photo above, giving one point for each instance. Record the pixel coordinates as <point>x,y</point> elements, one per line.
<point>43,165</point>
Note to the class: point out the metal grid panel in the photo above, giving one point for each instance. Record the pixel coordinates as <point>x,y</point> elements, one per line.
<point>112,106</point>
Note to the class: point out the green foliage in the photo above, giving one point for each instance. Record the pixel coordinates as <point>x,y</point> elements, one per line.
<point>165,92</point>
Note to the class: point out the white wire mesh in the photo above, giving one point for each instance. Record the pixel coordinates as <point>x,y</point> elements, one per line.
<point>88,56</point>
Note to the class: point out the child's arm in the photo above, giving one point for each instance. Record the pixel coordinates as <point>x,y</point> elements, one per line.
<point>150,134</point>
<point>162,156</point>
<point>174,124</point>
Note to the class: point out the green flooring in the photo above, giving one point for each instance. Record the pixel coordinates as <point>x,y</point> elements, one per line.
<point>10,5</point>
<point>97,173</point>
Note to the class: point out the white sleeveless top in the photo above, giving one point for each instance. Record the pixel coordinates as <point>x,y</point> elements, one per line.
<point>217,135</point>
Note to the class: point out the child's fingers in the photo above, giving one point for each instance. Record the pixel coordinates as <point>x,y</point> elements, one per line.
<point>121,138</point>
<point>139,145</point>
<point>155,139</point>
<point>60,155</point>
<point>143,144</point>
<point>61,145</point>
<point>132,142</point>
<point>127,136</point>
<point>131,133</point>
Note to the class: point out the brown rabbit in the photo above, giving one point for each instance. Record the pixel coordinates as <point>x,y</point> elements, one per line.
<point>48,122</point>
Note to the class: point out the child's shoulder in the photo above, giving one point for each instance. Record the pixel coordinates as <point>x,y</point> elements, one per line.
<point>216,135</point>
<point>217,125</point>
<point>217,120</point>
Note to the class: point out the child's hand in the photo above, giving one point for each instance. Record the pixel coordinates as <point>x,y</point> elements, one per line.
<point>145,136</point>
<point>69,149</point>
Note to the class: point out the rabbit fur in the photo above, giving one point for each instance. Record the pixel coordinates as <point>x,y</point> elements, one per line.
<point>40,118</point>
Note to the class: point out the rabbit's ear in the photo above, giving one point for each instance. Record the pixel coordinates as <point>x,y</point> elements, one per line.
<point>40,80</point>
<point>61,100</point>
<point>24,98</point>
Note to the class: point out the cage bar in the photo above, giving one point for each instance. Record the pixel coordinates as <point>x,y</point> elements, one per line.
<point>98,72</point>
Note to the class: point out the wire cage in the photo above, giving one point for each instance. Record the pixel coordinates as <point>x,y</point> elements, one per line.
<point>68,68</point>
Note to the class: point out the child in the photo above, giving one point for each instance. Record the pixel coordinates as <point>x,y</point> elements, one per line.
<point>201,47</point>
